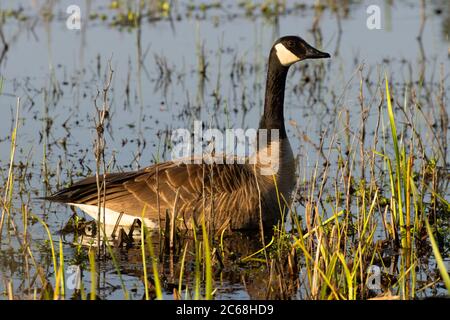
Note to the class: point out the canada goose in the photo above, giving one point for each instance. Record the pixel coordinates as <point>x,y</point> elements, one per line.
<point>234,195</point>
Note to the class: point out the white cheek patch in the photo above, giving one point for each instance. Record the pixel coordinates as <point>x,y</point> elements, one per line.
<point>285,56</point>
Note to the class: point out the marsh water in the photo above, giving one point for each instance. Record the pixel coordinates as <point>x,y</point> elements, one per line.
<point>200,61</point>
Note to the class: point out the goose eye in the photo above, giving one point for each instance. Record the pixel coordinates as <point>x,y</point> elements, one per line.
<point>291,43</point>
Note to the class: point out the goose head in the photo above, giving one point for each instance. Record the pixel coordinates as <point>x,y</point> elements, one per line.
<point>292,49</point>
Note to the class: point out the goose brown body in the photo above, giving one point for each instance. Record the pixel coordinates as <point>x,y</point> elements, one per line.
<point>234,195</point>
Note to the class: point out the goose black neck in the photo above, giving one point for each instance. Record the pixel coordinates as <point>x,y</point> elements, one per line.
<point>273,117</point>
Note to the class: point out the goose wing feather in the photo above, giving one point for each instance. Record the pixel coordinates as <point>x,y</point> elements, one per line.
<point>129,192</point>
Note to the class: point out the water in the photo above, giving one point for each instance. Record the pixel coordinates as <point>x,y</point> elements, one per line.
<point>57,73</point>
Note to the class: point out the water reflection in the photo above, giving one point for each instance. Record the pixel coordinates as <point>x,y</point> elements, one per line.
<point>237,271</point>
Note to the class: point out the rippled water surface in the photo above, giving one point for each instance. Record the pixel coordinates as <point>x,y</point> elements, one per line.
<point>198,61</point>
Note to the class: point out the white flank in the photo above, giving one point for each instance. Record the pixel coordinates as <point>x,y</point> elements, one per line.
<point>111,216</point>
<point>285,56</point>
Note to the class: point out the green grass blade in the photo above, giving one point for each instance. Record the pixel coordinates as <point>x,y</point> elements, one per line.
<point>439,260</point>
<point>180,281</point>
<point>208,271</point>
<point>91,255</point>
<point>397,162</point>
<point>61,265</point>
<point>52,247</point>
<point>144,262</point>
<point>158,289</point>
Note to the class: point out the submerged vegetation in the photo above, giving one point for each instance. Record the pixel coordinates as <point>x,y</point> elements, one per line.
<point>370,215</point>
